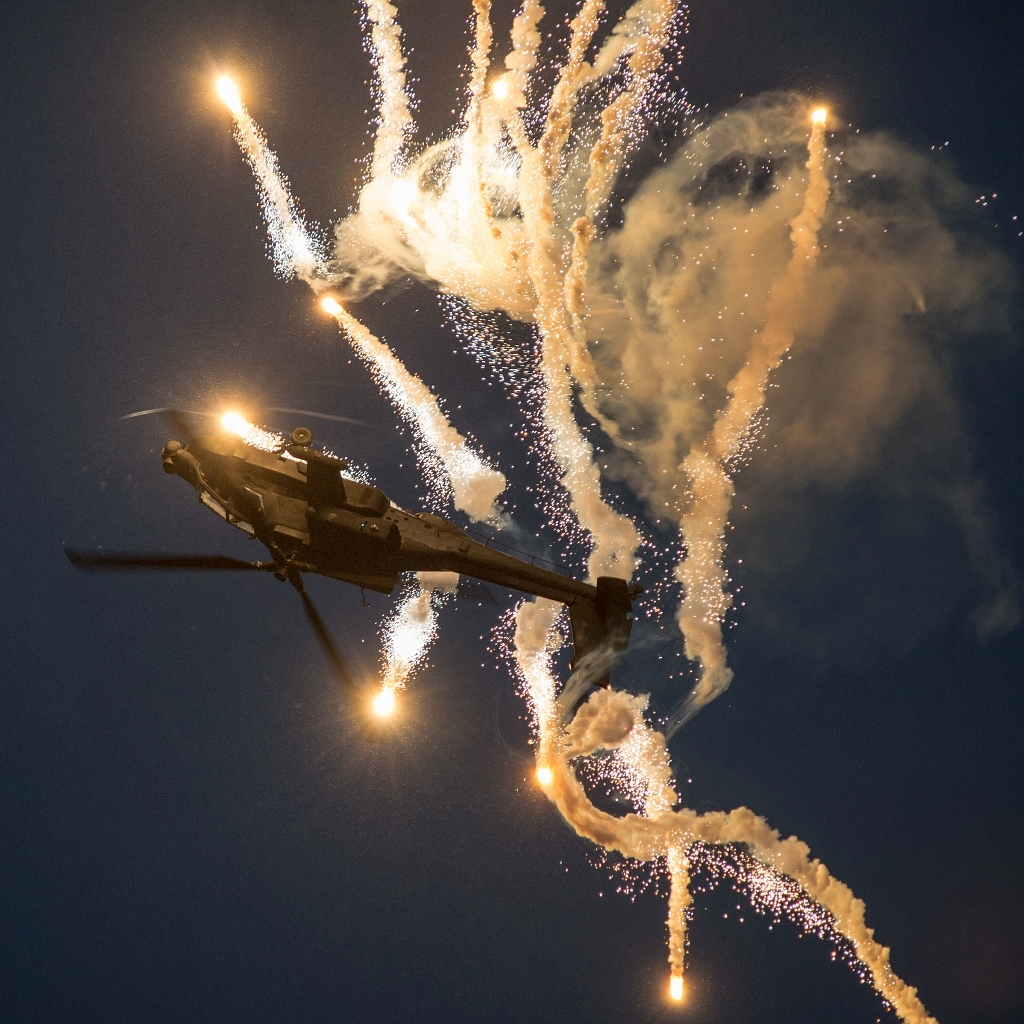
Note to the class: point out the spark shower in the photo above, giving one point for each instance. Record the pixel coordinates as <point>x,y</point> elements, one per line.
<point>664,331</point>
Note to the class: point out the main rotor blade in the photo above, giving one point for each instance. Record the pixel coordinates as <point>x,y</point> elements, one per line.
<point>319,416</point>
<point>321,631</point>
<point>132,561</point>
<point>177,419</point>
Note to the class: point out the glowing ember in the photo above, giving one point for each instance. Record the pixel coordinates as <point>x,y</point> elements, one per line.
<point>675,987</point>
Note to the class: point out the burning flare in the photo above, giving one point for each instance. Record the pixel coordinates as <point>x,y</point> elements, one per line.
<point>256,437</point>
<point>384,703</point>
<point>228,92</point>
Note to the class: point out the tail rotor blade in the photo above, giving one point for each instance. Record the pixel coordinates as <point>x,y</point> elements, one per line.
<point>132,561</point>
<point>321,631</point>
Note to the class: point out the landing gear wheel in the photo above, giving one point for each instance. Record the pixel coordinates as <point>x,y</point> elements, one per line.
<point>302,435</point>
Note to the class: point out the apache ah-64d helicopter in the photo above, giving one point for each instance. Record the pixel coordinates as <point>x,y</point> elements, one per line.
<point>312,518</point>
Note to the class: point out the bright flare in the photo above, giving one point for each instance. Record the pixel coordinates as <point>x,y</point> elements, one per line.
<point>329,305</point>
<point>235,423</point>
<point>255,437</point>
<point>675,987</point>
<point>384,702</point>
<point>544,775</point>
<point>228,92</point>
<point>818,116</point>
<point>500,89</point>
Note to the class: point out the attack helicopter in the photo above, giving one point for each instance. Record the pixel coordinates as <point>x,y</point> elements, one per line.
<point>313,518</point>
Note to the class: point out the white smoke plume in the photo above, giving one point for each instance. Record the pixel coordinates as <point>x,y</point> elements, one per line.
<point>704,261</point>
<point>395,121</point>
<point>475,216</point>
<point>665,833</point>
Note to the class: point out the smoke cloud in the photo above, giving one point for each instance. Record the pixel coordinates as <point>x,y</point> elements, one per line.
<point>677,292</point>
<point>834,270</point>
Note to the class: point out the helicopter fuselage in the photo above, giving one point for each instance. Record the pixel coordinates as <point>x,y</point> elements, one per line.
<point>313,518</point>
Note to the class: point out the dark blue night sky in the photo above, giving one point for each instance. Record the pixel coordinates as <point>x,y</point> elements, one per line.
<point>192,826</point>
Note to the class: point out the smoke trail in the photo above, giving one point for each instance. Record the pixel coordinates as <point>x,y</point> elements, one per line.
<point>702,571</point>
<point>480,58</point>
<point>646,28</point>
<point>410,630</point>
<point>614,536</point>
<point>678,900</point>
<point>535,640</point>
<point>669,832</point>
<point>406,637</point>
<point>612,720</point>
<point>475,486</point>
<point>456,232</point>
<point>395,122</point>
<point>522,58</point>
<point>294,252</point>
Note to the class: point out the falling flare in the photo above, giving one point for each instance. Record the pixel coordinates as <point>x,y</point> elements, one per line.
<point>235,423</point>
<point>675,987</point>
<point>544,775</point>
<point>819,115</point>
